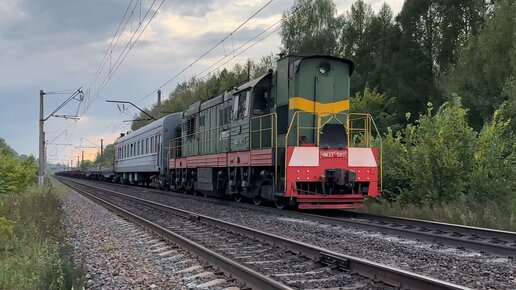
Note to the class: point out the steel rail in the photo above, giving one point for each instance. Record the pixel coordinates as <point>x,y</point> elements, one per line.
<point>498,242</point>
<point>470,230</point>
<point>389,275</point>
<point>245,274</point>
<point>502,243</point>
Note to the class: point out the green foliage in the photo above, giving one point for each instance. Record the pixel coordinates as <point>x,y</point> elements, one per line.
<point>312,27</point>
<point>107,156</point>
<point>33,251</point>
<point>429,162</point>
<point>16,174</point>
<point>441,160</point>
<point>484,74</point>
<point>86,164</point>
<point>6,149</point>
<point>493,178</point>
<point>486,215</point>
<point>374,103</point>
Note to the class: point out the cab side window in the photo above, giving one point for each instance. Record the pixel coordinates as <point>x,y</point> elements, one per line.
<point>241,105</point>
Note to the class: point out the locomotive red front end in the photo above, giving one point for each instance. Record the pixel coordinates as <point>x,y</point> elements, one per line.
<point>319,178</point>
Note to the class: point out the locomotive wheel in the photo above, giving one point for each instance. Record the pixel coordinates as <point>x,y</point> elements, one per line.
<point>237,197</point>
<point>257,200</point>
<point>280,202</point>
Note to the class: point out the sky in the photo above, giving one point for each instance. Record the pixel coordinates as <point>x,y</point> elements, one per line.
<point>59,46</point>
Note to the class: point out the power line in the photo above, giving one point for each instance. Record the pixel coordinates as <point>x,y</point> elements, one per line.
<point>128,47</point>
<point>111,46</point>
<point>206,52</point>
<point>123,55</point>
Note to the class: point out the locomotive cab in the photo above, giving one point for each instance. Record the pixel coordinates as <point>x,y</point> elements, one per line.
<point>328,160</point>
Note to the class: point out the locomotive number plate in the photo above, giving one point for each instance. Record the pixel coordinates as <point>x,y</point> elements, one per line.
<point>333,154</point>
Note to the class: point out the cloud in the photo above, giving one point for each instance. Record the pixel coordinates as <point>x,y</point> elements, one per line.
<point>58,44</point>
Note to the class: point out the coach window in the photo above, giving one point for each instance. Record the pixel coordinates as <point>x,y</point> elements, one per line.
<point>151,144</point>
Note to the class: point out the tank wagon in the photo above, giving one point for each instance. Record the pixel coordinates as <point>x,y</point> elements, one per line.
<point>286,137</point>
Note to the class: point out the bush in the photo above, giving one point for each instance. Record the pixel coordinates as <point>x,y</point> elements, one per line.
<point>439,168</point>
<point>429,162</point>
<point>16,174</point>
<point>493,178</point>
<point>33,251</point>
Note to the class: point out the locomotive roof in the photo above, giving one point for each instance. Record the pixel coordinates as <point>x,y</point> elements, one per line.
<point>305,56</point>
<point>251,84</point>
<point>192,109</point>
<point>212,102</point>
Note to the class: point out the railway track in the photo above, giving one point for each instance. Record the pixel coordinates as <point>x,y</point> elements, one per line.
<point>502,243</point>
<point>497,242</point>
<point>261,260</point>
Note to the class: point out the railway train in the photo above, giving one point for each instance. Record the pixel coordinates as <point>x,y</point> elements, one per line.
<point>286,137</point>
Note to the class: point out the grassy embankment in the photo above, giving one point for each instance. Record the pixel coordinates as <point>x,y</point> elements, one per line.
<point>480,215</point>
<point>33,249</point>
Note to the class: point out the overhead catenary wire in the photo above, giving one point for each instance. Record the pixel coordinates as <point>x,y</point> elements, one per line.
<point>206,52</point>
<point>123,55</point>
<point>128,47</point>
<point>111,46</point>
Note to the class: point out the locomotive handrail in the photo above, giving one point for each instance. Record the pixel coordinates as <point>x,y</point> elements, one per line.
<point>366,130</point>
<point>272,129</point>
<point>295,117</point>
<point>274,138</point>
<point>369,125</point>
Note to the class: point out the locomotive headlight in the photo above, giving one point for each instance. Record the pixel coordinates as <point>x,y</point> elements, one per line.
<point>324,68</point>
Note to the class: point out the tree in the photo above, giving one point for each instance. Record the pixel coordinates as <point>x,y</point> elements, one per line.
<point>484,74</point>
<point>15,174</point>
<point>356,22</point>
<point>374,103</point>
<point>107,156</point>
<point>86,164</point>
<point>6,149</point>
<point>312,27</point>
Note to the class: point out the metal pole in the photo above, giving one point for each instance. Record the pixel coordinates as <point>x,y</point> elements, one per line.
<point>159,103</point>
<point>41,175</point>
<point>101,148</point>
<point>82,156</point>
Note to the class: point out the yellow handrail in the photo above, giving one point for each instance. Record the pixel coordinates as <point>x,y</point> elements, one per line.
<point>364,132</point>
<point>274,137</point>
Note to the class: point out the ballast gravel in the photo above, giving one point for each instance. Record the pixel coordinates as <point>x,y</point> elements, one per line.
<point>110,251</point>
<point>462,267</point>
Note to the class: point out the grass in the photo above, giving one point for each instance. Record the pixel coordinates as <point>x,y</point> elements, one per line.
<point>469,214</point>
<point>33,249</point>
